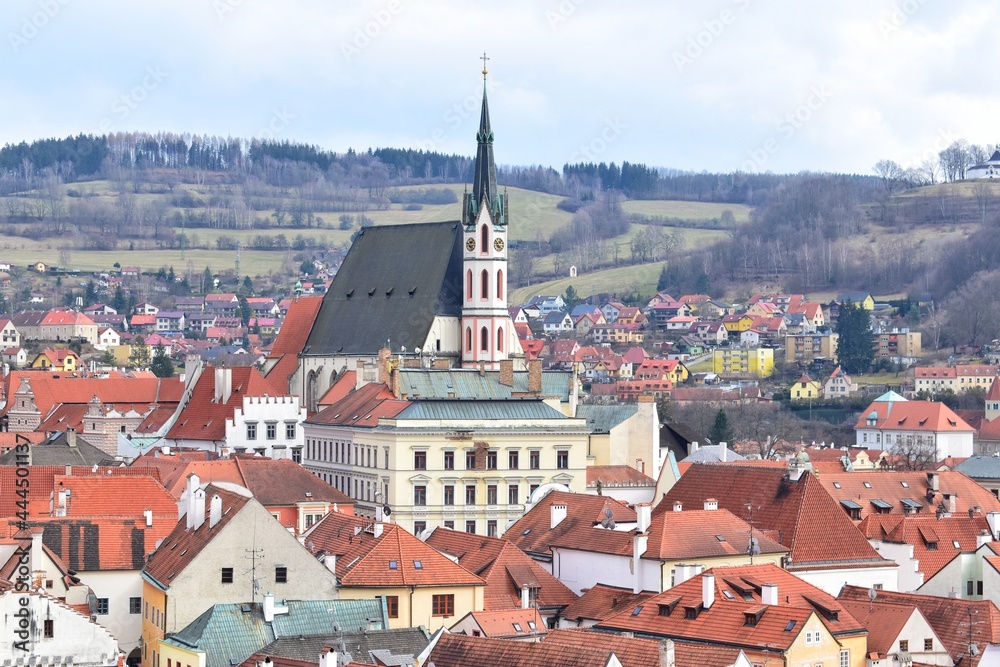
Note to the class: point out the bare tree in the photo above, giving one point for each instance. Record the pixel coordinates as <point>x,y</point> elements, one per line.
<point>914,453</point>
<point>890,173</point>
<point>982,192</point>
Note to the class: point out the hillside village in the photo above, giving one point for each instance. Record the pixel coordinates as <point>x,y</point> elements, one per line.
<point>390,463</point>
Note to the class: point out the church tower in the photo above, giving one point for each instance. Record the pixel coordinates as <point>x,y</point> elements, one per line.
<point>487,331</point>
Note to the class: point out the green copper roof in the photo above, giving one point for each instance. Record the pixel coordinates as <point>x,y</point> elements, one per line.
<point>500,410</point>
<point>470,384</point>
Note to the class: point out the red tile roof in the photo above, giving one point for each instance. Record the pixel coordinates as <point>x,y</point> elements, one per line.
<point>933,539</point>
<point>362,407</point>
<point>893,487</point>
<point>504,568</point>
<point>697,533</point>
<point>643,651</point>
<point>500,623</point>
<point>912,416</point>
<point>953,620</point>
<point>283,483</point>
<point>182,546</point>
<point>291,339</point>
<point>602,601</point>
<point>205,419</point>
<point>104,543</point>
<point>617,476</point>
<point>49,389</point>
<point>115,495</point>
<point>42,484</point>
<point>738,591</point>
<point>884,621</point>
<point>533,534</point>
<point>345,384</point>
<point>463,651</point>
<point>364,560</point>
<point>809,522</point>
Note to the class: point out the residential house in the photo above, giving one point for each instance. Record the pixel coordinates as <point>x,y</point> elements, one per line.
<point>681,323</point>
<point>99,309</point>
<point>958,378</point>
<point>29,324</point>
<point>770,614</point>
<point>715,310</point>
<point>805,389</point>
<point>145,308</point>
<point>107,338</point>
<point>202,562</point>
<point>15,357</point>
<point>742,361</point>
<point>263,306</point>
<point>9,335</point>
<point>859,299</point>
<point>547,304</point>
<point>517,625</point>
<point>617,334</point>
<point>805,348</point>
<point>893,423</point>
<point>791,502</point>
<point>586,321</point>
<point>711,333</point>
<point>900,346</point>
<point>420,585</point>
<point>222,304</point>
<point>631,315</point>
<point>839,385</point>
<point>170,321</point>
<point>750,338</point>
<point>624,434</point>
<point>764,309</point>
<point>611,310</point>
<point>190,304</point>
<point>64,325</point>
<point>56,359</point>
<point>737,323</point>
<point>557,322</point>
<point>898,632</point>
<point>200,322</point>
<point>141,323</point>
<point>661,312</point>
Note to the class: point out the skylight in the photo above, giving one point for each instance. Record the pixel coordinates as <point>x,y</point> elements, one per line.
<point>526,532</point>
<point>956,544</point>
<point>517,627</point>
<point>417,565</point>
<point>836,485</point>
<point>868,485</point>
<point>393,565</point>
<point>531,624</point>
<point>791,624</point>
<point>906,485</point>
<point>637,611</point>
<point>729,596</point>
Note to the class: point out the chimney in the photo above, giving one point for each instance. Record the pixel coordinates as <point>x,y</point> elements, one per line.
<point>148,514</point>
<point>507,372</point>
<point>708,590</point>
<point>723,449</point>
<point>193,482</point>
<point>678,506</point>
<point>983,538</point>
<point>165,450</point>
<point>269,607</point>
<point>711,504</point>
<point>328,657</point>
<point>692,447</point>
<point>993,521</point>
<point>36,559</point>
<point>71,437</point>
<point>525,596</point>
<point>643,517</point>
<point>482,367</point>
<point>557,513</point>
<point>223,384</point>
<point>684,572</point>
<point>535,376</point>
<point>199,508</point>
<point>934,481</point>
<point>330,561</point>
<point>215,511</point>
<point>769,594</point>
<point>665,654</point>
<point>63,502</point>
<point>377,530</point>
<point>639,543</point>
<point>950,501</point>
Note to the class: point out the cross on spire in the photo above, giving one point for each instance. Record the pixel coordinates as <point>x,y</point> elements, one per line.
<point>484,58</point>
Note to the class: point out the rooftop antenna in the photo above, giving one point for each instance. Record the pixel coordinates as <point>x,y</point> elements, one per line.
<point>872,594</point>
<point>607,521</point>
<point>253,555</point>
<point>753,545</point>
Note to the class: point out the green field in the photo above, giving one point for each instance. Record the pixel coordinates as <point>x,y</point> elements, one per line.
<point>686,210</point>
<point>641,278</point>
<point>252,262</point>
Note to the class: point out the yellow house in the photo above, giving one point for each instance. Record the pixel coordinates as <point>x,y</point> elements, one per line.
<point>737,323</point>
<point>806,389</point>
<point>421,586</point>
<point>56,359</point>
<point>745,361</point>
<point>859,299</point>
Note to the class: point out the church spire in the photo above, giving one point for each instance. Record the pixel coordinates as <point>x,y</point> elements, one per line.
<point>484,181</point>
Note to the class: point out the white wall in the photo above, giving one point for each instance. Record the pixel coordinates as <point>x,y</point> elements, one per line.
<point>72,633</point>
<point>582,569</point>
<point>118,586</point>
<point>954,576</point>
<point>832,581</point>
<point>910,578</point>
<point>915,631</point>
<point>279,409</point>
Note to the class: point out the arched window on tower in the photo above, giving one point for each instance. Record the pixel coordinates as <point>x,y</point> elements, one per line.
<point>485,284</point>
<point>484,240</point>
<point>468,339</point>
<point>500,284</point>
<point>500,339</point>
<point>468,285</point>
<point>484,343</point>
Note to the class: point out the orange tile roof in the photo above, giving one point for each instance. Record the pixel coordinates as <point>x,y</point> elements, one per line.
<point>174,469</point>
<point>365,561</point>
<point>950,617</point>
<point>49,389</point>
<point>533,534</point>
<point>884,622</point>
<point>500,623</point>
<point>463,651</point>
<point>504,568</point>
<point>644,651</point>
<point>345,384</point>
<point>290,340</point>
<point>994,393</point>
<point>603,601</point>
<point>362,407</point>
<point>285,483</point>
<point>205,419</point>
<point>115,495</point>
<point>912,416</point>
<point>182,546</point>
<point>617,476</point>
<point>738,591</point>
<point>809,522</point>
<point>893,487</point>
<point>696,533</point>
<point>933,539</point>
<point>103,543</point>
<point>42,484</point>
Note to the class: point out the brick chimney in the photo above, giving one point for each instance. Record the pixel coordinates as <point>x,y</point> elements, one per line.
<point>507,372</point>
<point>535,376</point>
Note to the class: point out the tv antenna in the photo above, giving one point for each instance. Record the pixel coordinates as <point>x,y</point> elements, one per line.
<point>753,544</point>
<point>253,555</point>
<point>607,521</point>
<point>872,594</point>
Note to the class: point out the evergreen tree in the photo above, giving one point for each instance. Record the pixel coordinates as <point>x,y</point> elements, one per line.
<point>118,300</point>
<point>247,286</point>
<point>721,430</point>
<point>856,344</point>
<point>138,357</point>
<point>571,298</point>
<point>207,281</point>
<point>245,311</point>
<point>162,366</point>
<point>661,284</point>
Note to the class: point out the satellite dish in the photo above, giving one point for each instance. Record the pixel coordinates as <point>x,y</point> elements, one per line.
<point>607,512</point>
<point>872,593</point>
<point>416,350</point>
<point>754,547</point>
<point>386,510</point>
<point>973,650</point>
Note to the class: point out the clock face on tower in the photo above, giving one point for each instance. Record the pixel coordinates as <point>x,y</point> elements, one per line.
<point>470,244</point>
<point>498,244</point>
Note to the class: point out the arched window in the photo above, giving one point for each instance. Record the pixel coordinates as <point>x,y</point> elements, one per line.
<point>500,284</point>
<point>485,284</point>
<point>484,343</point>
<point>500,339</point>
<point>468,339</point>
<point>484,240</point>
<point>468,285</point>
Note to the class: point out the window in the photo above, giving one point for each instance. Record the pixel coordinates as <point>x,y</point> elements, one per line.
<point>499,284</point>
<point>49,629</point>
<point>535,460</point>
<point>491,528</point>
<point>296,455</point>
<point>281,575</point>
<point>392,605</point>
<point>513,494</point>
<point>102,607</point>
<point>470,526</point>
<point>484,240</point>
<point>289,431</point>
<point>484,289</point>
<point>420,495</point>
<point>443,605</point>
<point>449,460</point>
<point>979,588</point>
<point>450,525</point>
<point>470,494</point>
<point>512,461</point>
<point>491,494</point>
<point>135,605</point>
<point>845,658</point>
<point>420,460</point>
<point>904,645</point>
<point>484,339</point>
<point>562,460</point>
<point>251,430</point>
<point>499,345</point>
<point>272,431</point>
<point>928,645</point>
<point>491,459</point>
<point>468,333</point>
<point>419,527</point>
<point>968,587</point>
<point>227,575</point>
<point>468,288</point>
<point>449,494</point>
<point>470,460</point>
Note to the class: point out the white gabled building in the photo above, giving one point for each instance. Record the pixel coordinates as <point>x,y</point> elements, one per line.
<point>57,633</point>
<point>893,423</point>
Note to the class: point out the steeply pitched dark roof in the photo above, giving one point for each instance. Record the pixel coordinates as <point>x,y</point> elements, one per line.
<point>393,282</point>
<point>359,645</point>
<point>56,451</point>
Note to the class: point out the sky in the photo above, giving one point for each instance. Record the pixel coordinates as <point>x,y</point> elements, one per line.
<point>716,85</point>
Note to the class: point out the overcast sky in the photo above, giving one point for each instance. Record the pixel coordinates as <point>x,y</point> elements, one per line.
<point>715,85</point>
